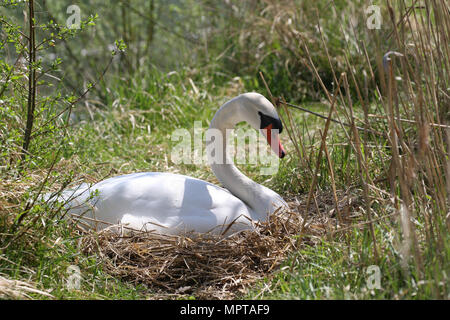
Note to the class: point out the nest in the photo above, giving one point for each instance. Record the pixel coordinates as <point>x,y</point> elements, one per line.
<point>204,265</point>
<point>208,266</point>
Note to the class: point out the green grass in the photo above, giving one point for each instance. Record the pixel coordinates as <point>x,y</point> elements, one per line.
<point>339,270</point>
<point>47,262</point>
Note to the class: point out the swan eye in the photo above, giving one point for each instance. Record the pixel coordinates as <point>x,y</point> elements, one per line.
<point>268,120</point>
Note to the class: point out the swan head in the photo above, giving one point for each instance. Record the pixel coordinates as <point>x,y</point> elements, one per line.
<point>262,115</point>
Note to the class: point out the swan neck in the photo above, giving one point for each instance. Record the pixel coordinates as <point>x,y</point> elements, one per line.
<point>257,197</point>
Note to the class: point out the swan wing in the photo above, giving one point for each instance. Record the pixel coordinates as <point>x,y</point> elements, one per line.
<point>164,202</point>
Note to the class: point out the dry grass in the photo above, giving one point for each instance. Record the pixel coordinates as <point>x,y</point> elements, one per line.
<point>14,289</point>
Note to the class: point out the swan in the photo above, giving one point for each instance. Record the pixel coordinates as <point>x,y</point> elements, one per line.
<point>174,204</point>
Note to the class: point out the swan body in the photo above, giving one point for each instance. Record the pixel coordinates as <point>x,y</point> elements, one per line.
<point>164,202</point>
<point>174,204</point>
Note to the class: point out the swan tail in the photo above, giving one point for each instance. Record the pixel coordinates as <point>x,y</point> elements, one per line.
<point>79,195</point>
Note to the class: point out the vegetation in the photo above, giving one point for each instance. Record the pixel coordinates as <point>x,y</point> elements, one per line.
<point>84,99</point>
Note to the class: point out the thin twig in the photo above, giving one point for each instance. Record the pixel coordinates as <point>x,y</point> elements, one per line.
<point>325,117</point>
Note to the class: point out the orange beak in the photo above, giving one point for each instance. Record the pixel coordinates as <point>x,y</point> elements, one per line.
<point>276,146</point>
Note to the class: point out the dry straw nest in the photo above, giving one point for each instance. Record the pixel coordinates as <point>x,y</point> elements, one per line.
<point>204,265</point>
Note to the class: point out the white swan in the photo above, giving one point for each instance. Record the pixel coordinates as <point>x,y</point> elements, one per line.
<point>173,204</point>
